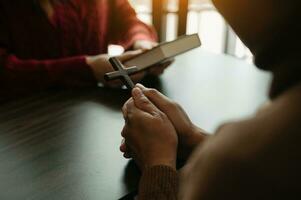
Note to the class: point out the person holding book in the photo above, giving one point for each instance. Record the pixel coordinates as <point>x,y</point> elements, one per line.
<point>256,158</point>
<point>49,43</point>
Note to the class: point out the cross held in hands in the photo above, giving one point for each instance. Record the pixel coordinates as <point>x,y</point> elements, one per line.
<point>121,73</point>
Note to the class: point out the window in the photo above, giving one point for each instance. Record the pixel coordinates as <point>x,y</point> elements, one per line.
<point>143,9</point>
<point>202,18</point>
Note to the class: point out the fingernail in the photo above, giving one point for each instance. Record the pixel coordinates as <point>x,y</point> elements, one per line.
<point>137,92</point>
<point>140,85</point>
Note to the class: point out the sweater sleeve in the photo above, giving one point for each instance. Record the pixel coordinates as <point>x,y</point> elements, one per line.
<point>19,75</point>
<point>159,182</point>
<point>22,75</point>
<point>127,27</point>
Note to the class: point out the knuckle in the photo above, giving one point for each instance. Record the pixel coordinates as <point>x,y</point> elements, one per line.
<point>132,118</point>
<point>129,103</point>
<point>124,109</point>
<point>163,116</point>
<point>128,117</point>
<point>160,116</point>
<point>124,132</point>
<point>144,101</point>
<point>153,92</point>
<point>174,104</point>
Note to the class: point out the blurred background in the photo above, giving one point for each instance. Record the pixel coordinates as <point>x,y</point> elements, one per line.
<point>173,18</point>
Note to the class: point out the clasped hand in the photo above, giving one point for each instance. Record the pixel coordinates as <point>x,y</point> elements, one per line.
<point>157,130</point>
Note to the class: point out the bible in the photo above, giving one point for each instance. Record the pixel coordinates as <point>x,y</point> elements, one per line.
<point>164,52</point>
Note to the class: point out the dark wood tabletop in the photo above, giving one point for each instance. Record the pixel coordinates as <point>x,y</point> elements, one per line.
<point>64,144</point>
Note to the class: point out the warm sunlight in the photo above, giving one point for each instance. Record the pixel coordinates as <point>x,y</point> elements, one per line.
<point>202,18</point>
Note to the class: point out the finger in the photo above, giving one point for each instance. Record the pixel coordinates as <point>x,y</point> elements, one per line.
<point>124,108</point>
<point>158,99</point>
<point>155,44</point>
<point>142,87</point>
<point>134,113</point>
<point>147,45</point>
<point>123,147</point>
<point>142,102</point>
<point>127,155</point>
<point>124,131</point>
<point>129,54</point>
<point>124,111</point>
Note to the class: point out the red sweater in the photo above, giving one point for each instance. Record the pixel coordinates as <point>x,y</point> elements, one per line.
<point>38,53</point>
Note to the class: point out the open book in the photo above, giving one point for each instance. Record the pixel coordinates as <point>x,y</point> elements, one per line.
<point>165,51</point>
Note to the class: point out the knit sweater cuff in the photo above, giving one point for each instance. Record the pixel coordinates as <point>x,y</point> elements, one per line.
<point>159,182</point>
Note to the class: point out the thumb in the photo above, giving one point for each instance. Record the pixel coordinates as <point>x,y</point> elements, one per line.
<point>157,98</point>
<point>129,54</point>
<point>142,102</point>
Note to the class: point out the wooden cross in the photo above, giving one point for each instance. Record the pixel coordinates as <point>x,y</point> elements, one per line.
<point>121,73</point>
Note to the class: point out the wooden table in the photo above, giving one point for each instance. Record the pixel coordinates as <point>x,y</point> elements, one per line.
<point>65,144</point>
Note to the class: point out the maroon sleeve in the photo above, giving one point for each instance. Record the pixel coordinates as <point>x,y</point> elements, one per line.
<point>18,75</point>
<point>127,27</point>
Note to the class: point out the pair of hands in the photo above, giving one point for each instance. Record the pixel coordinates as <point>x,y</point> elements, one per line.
<point>157,130</point>
<point>100,64</point>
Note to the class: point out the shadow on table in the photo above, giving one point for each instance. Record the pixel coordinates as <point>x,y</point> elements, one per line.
<point>38,126</point>
<point>115,98</point>
<point>131,180</point>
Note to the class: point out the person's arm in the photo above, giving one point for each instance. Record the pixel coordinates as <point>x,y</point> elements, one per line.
<point>159,180</point>
<point>159,183</point>
<point>257,158</point>
<point>18,74</point>
<point>155,151</point>
<point>190,136</point>
<point>131,33</point>
<point>126,27</point>
<point>217,169</point>
<point>40,74</point>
